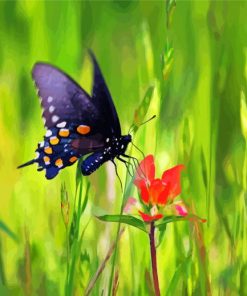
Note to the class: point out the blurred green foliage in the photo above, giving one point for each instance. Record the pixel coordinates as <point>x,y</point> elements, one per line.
<point>193,56</point>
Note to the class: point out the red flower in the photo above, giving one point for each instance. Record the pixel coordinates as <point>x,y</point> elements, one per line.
<point>156,193</point>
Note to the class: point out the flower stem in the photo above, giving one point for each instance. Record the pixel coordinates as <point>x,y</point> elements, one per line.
<point>154,259</point>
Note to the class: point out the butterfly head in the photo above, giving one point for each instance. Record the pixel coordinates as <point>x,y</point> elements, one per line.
<point>126,140</point>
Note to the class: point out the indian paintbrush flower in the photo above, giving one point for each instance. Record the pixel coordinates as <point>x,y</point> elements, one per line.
<point>157,195</point>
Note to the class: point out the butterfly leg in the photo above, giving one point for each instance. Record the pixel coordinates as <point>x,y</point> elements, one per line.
<point>143,155</point>
<point>127,164</point>
<point>131,157</point>
<point>136,163</point>
<point>135,160</point>
<point>117,174</point>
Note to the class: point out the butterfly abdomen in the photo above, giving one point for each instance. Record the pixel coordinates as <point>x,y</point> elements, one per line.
<point>93,162</point>
<point>114,148</point>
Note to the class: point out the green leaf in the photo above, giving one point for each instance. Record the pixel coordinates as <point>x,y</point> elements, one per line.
<point>78,177</point>
<point>129,188</point>
<point>204,169</point>
<point>169,219</point>
<point>72,230</point>
<point>85,201</point>
<point>177,276</point>
<point>170,8</point>
<point>162,231</point>
<point>167,60</point>
<point>126,219</point>
<point>9,232</point>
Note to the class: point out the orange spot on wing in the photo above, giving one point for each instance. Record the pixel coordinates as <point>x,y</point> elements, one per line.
<point>83,129</point>
<point>54,140</point>
<point>59,162</point>
<point>64,132</point>
<point>73,159</point>
<point>48,150</point>
<point>46,159</point>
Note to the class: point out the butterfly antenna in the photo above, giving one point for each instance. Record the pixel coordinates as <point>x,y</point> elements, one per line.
<point>151,118</point>
<point>131,128</point>
<point>133,125</point>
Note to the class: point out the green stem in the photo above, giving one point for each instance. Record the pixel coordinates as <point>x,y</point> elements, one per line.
<point>117,236</point>
<point>154,259</point>
<point>114,255</point>
<point>67,249</point>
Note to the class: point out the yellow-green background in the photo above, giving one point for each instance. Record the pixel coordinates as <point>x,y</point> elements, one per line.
<point>200,101</point>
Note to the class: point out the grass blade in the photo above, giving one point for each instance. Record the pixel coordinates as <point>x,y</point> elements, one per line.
<point>8,231</point>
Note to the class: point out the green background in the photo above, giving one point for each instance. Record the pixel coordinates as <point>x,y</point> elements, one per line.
<point>194,56</point>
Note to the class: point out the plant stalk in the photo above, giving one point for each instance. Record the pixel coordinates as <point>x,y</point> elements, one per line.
<point>154,259</point>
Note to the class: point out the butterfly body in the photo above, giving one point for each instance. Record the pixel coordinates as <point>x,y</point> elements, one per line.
<point>76,123</point>
<point>115,147</point>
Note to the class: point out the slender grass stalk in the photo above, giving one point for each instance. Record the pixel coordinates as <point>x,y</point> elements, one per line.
<point>115,250</point>
<point>2,271</point>
<point>115,283</point>
<point>154,259</point>
<point>126,192</point>
<point>76,243</point>
<point>67,255</point>
<point>102,265</point>
<point>28,271</point>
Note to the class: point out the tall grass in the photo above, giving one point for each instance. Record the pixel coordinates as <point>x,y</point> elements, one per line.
<point>193,56</point>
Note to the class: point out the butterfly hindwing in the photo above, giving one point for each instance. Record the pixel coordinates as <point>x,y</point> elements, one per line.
<point>62,147</point>
<point>89,144</point>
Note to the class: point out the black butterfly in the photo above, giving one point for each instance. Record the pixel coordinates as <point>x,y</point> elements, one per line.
<point>76,123</point>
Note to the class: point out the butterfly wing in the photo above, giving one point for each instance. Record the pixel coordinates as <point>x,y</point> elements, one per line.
<point>103,101</point>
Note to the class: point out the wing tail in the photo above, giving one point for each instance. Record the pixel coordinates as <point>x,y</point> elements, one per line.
<point>26,163</point>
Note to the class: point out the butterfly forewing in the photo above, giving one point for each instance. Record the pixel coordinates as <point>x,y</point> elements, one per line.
<point>102,100</point>
<point>62,99</point>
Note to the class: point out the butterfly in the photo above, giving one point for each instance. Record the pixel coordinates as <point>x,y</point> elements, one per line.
<point>76,123</point>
